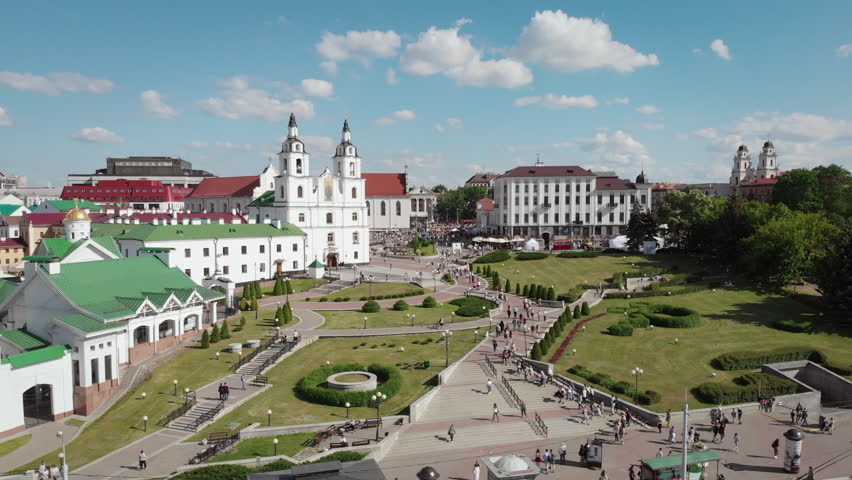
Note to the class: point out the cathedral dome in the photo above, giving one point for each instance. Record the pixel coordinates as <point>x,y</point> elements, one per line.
<point>742,148</point>
<point>77,215</point>
<point>768,144</point>
<point>642,178</point>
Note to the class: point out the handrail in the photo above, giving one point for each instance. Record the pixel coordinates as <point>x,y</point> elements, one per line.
<point>178,412</point>
<point>512,392</point>
<point>264,344</point>
<point>490,366</point>
<point>214,449</point>
<point>208,415</point>
<point>540,424</point>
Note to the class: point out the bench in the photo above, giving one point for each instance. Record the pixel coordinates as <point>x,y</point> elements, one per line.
<point>216,437</point>
<point>371,423</point>
<point>338,444</point>
<point>261,380</point>
<point>360,443</point>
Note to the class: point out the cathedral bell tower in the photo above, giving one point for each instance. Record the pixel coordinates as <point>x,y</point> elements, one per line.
<point>347,163</point>
<point>293,158</point>
<point>742,171</point>
<point>768,163</point>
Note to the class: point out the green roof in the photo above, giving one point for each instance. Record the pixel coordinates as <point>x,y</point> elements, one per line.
<point>62,247</point>
<point>8,209</point>
<point>65,205</point>
<point>677,460</point>
<point>88,324</point>
<point>316,264</point>
<point>156,249</point>
<point>6,289</point>
<point>22,339</point>
<point>160,233</point>
<point>264,200</point>
<point>106,287</point>
<point>40,258</point>
<point>36,356</point>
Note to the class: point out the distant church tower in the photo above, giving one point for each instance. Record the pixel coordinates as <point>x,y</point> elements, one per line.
<point>347,163</point>
<point>78,225</point>
<point>742,171</point>
<point>768,164</point>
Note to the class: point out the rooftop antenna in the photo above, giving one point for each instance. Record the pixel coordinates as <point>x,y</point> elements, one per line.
<point>538,160</point>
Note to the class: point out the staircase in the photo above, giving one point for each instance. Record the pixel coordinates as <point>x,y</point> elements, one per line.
<point>195,417</point>
<point>256,365</point>
<point>329,288</point>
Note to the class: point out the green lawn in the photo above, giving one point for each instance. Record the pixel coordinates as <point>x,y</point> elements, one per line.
<point>335,319</point>
<point>375,289</point>
<point>10,446</point>
<point>299,285</point>
<point>75,422</point>
<point>566,273</point>
<point>289,410</point>
<point>193,367</point>
<point>732,320</point>
<point>288,445</point>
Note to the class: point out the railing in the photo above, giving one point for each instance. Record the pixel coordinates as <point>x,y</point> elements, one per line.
<point>512,392</point>
<point>207,416</point>
<point>214,449</point>
<point>178,412</point>
<point>490,366</point>
<point>539,425</point>
<point>270,360</point>
<point>551,303</point>
<point>264,344</point>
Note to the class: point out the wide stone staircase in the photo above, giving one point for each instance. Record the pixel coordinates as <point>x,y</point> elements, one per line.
<point>196,417</point>
<point>262,361</point>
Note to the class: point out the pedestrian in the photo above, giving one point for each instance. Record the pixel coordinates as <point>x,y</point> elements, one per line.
<point>488,385</point>
<point>669,418</point>
<point>631,474</point>
<point>672,435</point>
<point>734,415</point>
<point>603,475</point>
<point>243,379</point>
<point>737,443</point>
<point>612,405</point>
<point>143,460</point>
<point>451,432</point>
<point>494,344</point>
<point>227,391</point>
<point>615,431</point>
<point>775,446</point>
<point>563,450</point>
<point>691,435</point>
<point>740,415</point>
<point>538,459</point>
<point>476,470</point>
<point>810,474</point>
<point>221,392</point>
<point>496,414</point>
<point>549,458</point>
<point>659,425</point>
<point>715,431</point>
<point>792,417</point>
<point>722,432</point>
<point>830,428</point>
<point>523,410</point>
<point>660,452</point>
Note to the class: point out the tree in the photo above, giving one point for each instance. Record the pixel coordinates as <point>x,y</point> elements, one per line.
<point>640,226</point>
<point>526,291</point>
<point>278,289</point>
<point>257,291</point>
<point>577,311</point>
<point>289,288</point>
<point>400,305</point>
<point>246,290</point>
<point>215,335</point>
<point>242,320</point>
<point>539,291</point>
<point>517,289</point>
<point>551,293</point>
<point>244,304</point>
<point>278,313</point>
<point>205,339</point>
<point>690,218</point>
<point>288,312</point>
<point>507,287</point>
<point>798,189</point>
<point>536,352</point>
<point>254,304</point>
<point>429,302</point>
<point>460,203</point>
<point>585,309</point>
<point>835,273</point>
<point>568,316</point>
<point>224,332</point>
<point>439,188</point>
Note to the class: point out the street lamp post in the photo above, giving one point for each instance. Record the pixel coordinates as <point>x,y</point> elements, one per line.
<point>61,437</point>
<point>453,318</point>
<point>525,340</point>
<point>636,372</point>
<point>434,282</point>
<point>378,399</point>
<point>175,383</point>
<point>145,421</point>
<point>287,287</point>
<point>275,446</point>
<point>347,409</point>
<point>447,335</point>
<point>365,323</point>
<point>685,415</point>
<point>269,418</point>
<point>475,333</point>
<point>371,287</point>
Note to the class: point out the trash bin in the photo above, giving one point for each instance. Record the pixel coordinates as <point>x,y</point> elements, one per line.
<point>427,363</point>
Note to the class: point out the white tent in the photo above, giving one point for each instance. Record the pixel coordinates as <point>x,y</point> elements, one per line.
<point>531,245</point>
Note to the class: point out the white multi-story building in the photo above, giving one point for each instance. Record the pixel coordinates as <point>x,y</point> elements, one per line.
<point>743,171</point>
<point>544,201</point>
<point>331,209</point>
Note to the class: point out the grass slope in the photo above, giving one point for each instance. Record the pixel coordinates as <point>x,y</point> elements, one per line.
<point>378,288</point>
<point>288,445</point>
<point>335,319</point>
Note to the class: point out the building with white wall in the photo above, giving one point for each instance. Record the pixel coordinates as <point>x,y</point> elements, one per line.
<point>226,194</point>
<point>744,172</point>
<point>331,209</point>
<point>543,201</point>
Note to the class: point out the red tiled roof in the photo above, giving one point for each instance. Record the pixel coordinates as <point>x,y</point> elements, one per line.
<point>44,219</point>
<point>486,204</point>
<point>549,171</point>
<point>664,186</point>
<point>112,191</point>
<point>613,183</point>
<point>12,243</point>
<point>226,187</point>
<point>481,178</point>
<point>385,184</point>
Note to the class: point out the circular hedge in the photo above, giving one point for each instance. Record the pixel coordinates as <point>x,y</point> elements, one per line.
<point>370,306</point>
<point>471,306</point>
<point>400,305</point>
<point>670,316</point>
<point>311,387</point>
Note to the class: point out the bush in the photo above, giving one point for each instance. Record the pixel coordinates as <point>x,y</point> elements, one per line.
<point>621,387</point>
<point>219,472</point>
<point>323,299</point>
<point>745,389</point>
<point>429,302</point>
<point>658,293</point>
<point>309,387</point>
<point>578,254</point>
<point>536,352</point>
<point>648,397</point>
<point>493,257</point>
<point>789,325</point>
<point>370,306</point>
<point>471,306</point>
<point>585,309</point>
<point>344,456</point>
<point>338,299</point>
<point>205,339</point>
<point>742,360</point>
<point>448,279</point>
<point>363,299</point>
<point>670,316</point>
<point>224,333</point>
<point>613,250</point>
<point>638,320</point>
<point>531,255</point>
<point>400,306</point>
<point>279,464</point>
<point>621,329</point>
<point>577,311</point>
<point>214,335</point>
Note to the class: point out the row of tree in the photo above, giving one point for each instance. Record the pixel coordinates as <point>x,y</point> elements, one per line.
<point>459,203</point>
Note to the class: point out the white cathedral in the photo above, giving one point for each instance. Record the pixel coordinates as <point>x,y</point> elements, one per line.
<point>330,208</point>
<point>743,172</point>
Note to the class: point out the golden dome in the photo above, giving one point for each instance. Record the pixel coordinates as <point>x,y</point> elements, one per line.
<point>77,215</point>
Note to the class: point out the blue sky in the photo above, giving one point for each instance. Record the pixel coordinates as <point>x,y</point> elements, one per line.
<point>448,88</point>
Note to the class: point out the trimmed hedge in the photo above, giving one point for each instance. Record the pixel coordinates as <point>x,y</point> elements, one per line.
<point>745,389</point>
<point>429,302</point>
<point>471,306</point>
<point>742,360</point>
<point>494,257</point>
<point>578,254</point>
<point>621,329</point>
<point>310,388</point>
<point>646,397</point>
<point>370,306</point>
<point>670,316</point>
<point>400,305</point>
<point>531,256</point>
<point>788,325</point>
<point>657,293</point>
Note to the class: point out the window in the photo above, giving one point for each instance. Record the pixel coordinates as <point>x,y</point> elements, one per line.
<point>354,192</point>
<point>578,187</point>
<point>262,267</point>
<point>505,218</point>
<point>567,200</point>
<point>600,217</point>
<point>224,251</point>
<point>643,199</point>
<point>330,238</point>
<point>351,167</point>
<point>544,218</point>
<point>354,216</point>
<point>517,188</point>
<point>535,218</point>
<point>329,218</point>
<point>206,271</point>
<point>621,217</point>
<point>281,195</point>
<point>567,217</point>
<point>298,164</point>
<point>517,200</point>
<point>355,238</point>
<point>108,367</point>
<point>244,249</point>
<point>517,218</point>
<point>278,248</point>
<point>301,217</point>
<point>526,200</point>
<point>75,366</point>
<point>299,191</point>
<point>588,199</point>
<point>556,188</point>
<point>188,272</point>
<point>226,270</point>
<point>262,248</point>
<point>186,253</point>
<point>600,199</point>
<point>611,217</point>
<point>206,252</point>
<point>382,208</point>
<point>526,188</point>
<point>244,269</point>
<point>356,254</point>
<point>611,198</point>
<point>621,198</point>
<point>413,204</point>
<point>545,187</point>
<point>368,209</point>
<point>95,374</point>
<point>526,218</point>
<point>421,204</point>
<point>295,265</point>
<point>588,187</point>
<point>632,198</point>
<point>295,247</point>
<point>556,200</point>
<point>577,199</point>
<point>535,200</point>
<point>587,218</point>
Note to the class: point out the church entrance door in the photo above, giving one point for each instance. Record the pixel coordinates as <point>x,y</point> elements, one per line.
<point>331,260</point>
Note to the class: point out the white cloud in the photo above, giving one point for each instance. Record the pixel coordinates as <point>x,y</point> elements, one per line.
<point>198,144</point>
<point>444,51</point>
<point>451,123</point>
<point>559,102</point>
<point>313,87</point>
<point>396,159</point>
<point>330,67</point>
<point>617,148</point>
<point>571,44</point>
<point>245,147</point>
<point>155,103</point>
<point>237,101</point>
<point>391,77</point>
<point>439,127</point>
<point>618,101</point>
<point>97,135</point>
<point>797,127</point>
<point>5,121</point>
<point>396,117</point>
<point>648,109</point>
<point>844,50</point>
<point>697,51</point>
<point>362,46</point>
<point>707,133</point>
<point>653,126</point>
<point>721,49</point>
<point>55,83</point>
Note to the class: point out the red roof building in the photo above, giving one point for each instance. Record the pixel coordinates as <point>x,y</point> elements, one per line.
<point>226,187</point>
<point>385,184</point>
<point>481,180</point>
<point>140,194</point>
<point>759,189</point>
<point>231,194</point>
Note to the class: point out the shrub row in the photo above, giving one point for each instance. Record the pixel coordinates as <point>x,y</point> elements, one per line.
<point>789,325</point>
<point>471,306</point>
<point>531,255</point>
<point>646,397</point>
<point>408,293</point>
<point>624,328</point>
<point>669,316</point>
<point>742,360</point>
<point>310,388</point>
<point>239,472</point>
<point>578,254</point>
<point>745,389</point>
<point>494,257</point>
<point>657,293</point>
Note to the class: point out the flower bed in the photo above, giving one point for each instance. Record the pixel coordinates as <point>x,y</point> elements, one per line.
<point>564,345</point>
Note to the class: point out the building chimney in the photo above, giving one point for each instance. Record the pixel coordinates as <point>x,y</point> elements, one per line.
<point>53,268</point>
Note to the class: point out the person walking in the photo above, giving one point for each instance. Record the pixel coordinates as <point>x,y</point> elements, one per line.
<point>476,470</point>
<point>660,453</point>
<point>631,474</point>
<point>810,474</point>
<point>740,415</point>
<point>538,459</point>
<point>496,414</point>
<point>659,425</point>
<point>563,450</point>
<point>722,428</point>
<point>775,446</point>
<point>672,435</point>
<point>830,428</point>
<point>603,475</point>
<point>669,418</point>
<point>243,379</point>
<point>451,432</point>
<point>736,443</point>
<point>488,385</point>
<point>221,392</point>
<point>143,460</point>
<point>551,461</point>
